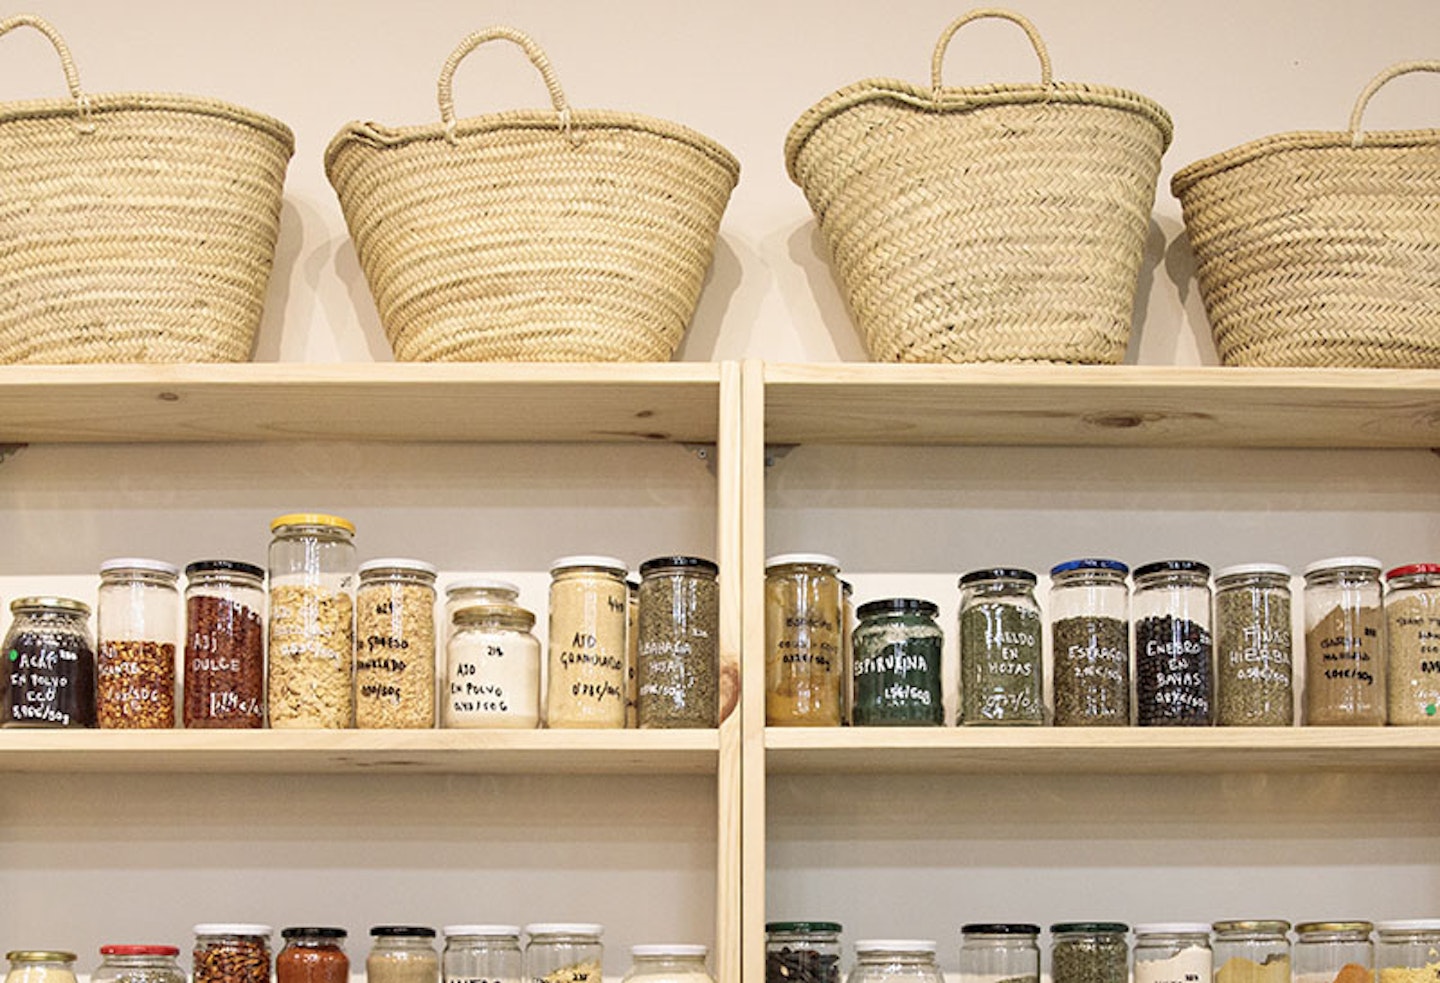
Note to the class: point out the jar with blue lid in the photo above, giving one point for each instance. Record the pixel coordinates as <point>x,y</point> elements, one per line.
<point>896,676</point>
<point>1090,642</point>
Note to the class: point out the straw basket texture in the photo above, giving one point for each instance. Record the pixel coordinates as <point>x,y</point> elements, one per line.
<point>134,228</point>
<point>545,236</point>
<point>995,223</point>
<point>1321,249</point>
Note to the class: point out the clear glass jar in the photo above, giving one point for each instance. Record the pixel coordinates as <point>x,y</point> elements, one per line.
<point>1408,951</point>
<point>231,952</point>
<point>49,680</point>
<point>492,669</point>
<point>632,650</point>
<point>137,635</point>
<point>679,643</point>
<point>312,955</point>
<point>1002,675</point>
<point>895,961</point>
<point>808,951</point>
<point>668,964</point>
<point>402,954</point>
<point>1090,643</point>
<point>40,966</point>
<point>312,622</point>
<point>395,645</point>
<point>1334,952</point>
<point>586,666</point>
<point>224,645</point>
<point>1255,951</point>
<point>476,590</point>
<point>138,964</point>
<point>1254,671</point>
<point>896,668</point>
<point>1174,673</point>
<point>564,952</point>
<point>482,954</point>
<point>804,651</point>
<point>1089,952</point>
<point>1344,643</point>
<point>1412,644</point>
<point>999,952</point>
<point>1172,952</point>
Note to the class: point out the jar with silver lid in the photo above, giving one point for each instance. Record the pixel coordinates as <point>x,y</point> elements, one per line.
<point>564,952</point>
<point>482,954</point>
<point>1002,677</point>
<point>395,645</point>
<point>1408,951</point>
<point>1174,674</point>
<point>676,963</point>
<point>1090,642</point>
<point>895,961</point>
<point>137,635</point>
<point>1334,952</point>
<point>589,612</point>
<point>997,952</point>
<point>49,678</point>
<point>138,964</point>
<point>1172,952</point>
<point>1251,951</point>
<point>1253,647</point>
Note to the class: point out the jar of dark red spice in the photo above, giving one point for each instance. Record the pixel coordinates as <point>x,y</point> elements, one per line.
<point>312,955</point>
<point>224,645</point>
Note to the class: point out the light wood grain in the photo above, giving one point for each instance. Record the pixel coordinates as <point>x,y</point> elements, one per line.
<point>730,530</point>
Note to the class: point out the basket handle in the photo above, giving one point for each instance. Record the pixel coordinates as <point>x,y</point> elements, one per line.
<point>67,63</point>
<point>937,61</point>
<point>1393,72</point>
<point>532,51</point>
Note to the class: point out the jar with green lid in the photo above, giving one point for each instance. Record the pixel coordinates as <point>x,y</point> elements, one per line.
<point>137,633</point>
<point>802,951</point>
<point>231,952</point>
<point>402,954</point>
<point>677,963</point>
<point>895,961</point>
<point>1412,644</point>
<point>1172,952</point>
<point>679,643</point>
<point>1089,952</point>
<point>1090,642</point>
<point>1174,672</point>
<point>999,952</point>
<point>49,677</point>
<point>1334,952</point>
<point>1251,951</point>
<point>492,669</point>
<point>1408,951</point>
<point>1002,676</point>
<point>804,648</point>
<point>395,645</point>
<point>897,648</point>
<point>1253,650</point>
<point>1344,643</point>
<point>482,954</point>
<point>589,612</point>
<point>564,952</point>
<point>40,966</point>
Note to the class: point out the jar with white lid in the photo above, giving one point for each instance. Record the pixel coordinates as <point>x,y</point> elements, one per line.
<point>231,952</point>
<point>895,961</point>
<point>564,952</point>
<point>469,591</point>
<point>395,645</point>
<point>1251,951</point>
<point>995,952</point>
<point>492,669</point>
<point>1254,675</point>
<point>804,648</point>
<point>1334,952</point>
<point>1344,643</point>
<point>589,615</point>
<point>1408,951</point>
<point>668,964</point>
<point>1412,644</point>
<point>1172,952</point>
<point>138,964</point>
<point>482,954</point>
<point>137,635</point>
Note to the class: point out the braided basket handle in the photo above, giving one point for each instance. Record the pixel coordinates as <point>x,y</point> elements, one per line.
<point>532,51</point>
<point>937,61</point>
<point>1393,72</point>
<point>67,63</point>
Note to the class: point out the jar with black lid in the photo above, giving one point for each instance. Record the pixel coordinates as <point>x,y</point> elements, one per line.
<point>224,645</point>
<point>1089,952</point>
<point>1174,675</point>
<point>808,951</point>
<point>678,646</point>
<point>1002,676</point>
<point>138,964</point>
<point>997,952</point>
<point>49,677</point>
<point>312,955</point>
<point>1090,642</point>
<point>896,669</point>
<point>402,954</point>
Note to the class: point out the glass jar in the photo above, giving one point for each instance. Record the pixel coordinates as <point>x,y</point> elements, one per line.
<point>1252,951</point>
<point>1174,676</point>
<point>482,954</point>
<point>312,622</point>
<point>808,951</point>
<point>679,643</point>
<point>224,645</point>
<point>1090,643</point>
<point>586,665</point>
<point>138,964</point>
<point>896,673</point>
<point>895,961</point>
<point>492,669</point>
<point>1002,677</point>
<point>1334,952</point>
<point>476,590</point>
<point>1344,643</point>
<point>137,629</point>
<point>231,953</point>
<point>1253,663</point>
<point>312,955</point>
<point>668,964</point>
<point>1172,952</point>
<point>1408,951</point>
<point>395,645</point>
<point>1412,644</point>
<point>848,624</point>
<point>402,954</point>
<point>804,651</point>
<point>1089,952</point>
<point>995,953</point>
<point>632,650</point>
<point>50,674</point>
<point>564,953</point>
<point>40,966</point>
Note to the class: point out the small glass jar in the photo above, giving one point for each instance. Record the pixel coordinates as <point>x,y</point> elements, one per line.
<point>1344,643</point>
<point>1408,951</point>
<point>895,961</point>
<point>1090,643</point>
<point>808,951</point>
<point>679,643</point>
<point>476,590</point>
<point>312,622</point>
<point>586,666</point>
<point>138,964</point>
<point>395,645</point>
<point>231,953</point>
<point>1253,651</point>
<point>564,952</point>
<point>1174,674</point>
<point>402,954</point>
<point>482,954</point>
<point>1412,644</point>
<point>312,955</point>
<point>804,650</point>
<point>1334,952</point>
<point>1089,952</point>
<point>1252,951</point>
<point>896,668</point>
<point>40,966</point>
<point>632,650</point>
<point>224,645</point>
<point>492,669</point>
<point>1002,675</point>
<point>49,678</point>
<point>668,964</point>
<point>999,952</point>
<point>1172,952</point>
<point>137,635</point>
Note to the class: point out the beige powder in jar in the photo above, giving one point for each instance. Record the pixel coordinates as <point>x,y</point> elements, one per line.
<point>395,645</point>
<point>311,658</point>
<point>589,613</point>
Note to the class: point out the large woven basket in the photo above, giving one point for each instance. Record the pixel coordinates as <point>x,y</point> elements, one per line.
<point>1321,249</point>
<point>995,223</point>
<point>134,228</point>
<point>536,235</point>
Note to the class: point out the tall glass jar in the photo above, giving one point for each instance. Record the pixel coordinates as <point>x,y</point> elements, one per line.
<point>138,964</point>
<point>999,952</point>
<point>312,955</point>
<point>476,590</point>
<point>312,622</point>
<point>804,650</point>
<point>49,678</point>
<point>586,665</point>
<point>1002,676</point>
<point>1252,951</point>
<point>1090,643</point>
<point>224,645</point>
<point>1408,951</point>
<point>137,636</point>
<point>895,961</point>
<point>1412,644</point>
<point>402,954</point>
<point>1174,677</point>
<point>1172,952</point>
<point>808,951</point>
<point>668,964</point>
<point>40,966</point>
<point>679,643</point>
<point>1253,662</point>
<point>231,952</point>
<point>1334,952</point>
<point>1344,643</point>
<point>482,954</point>
<point>395,645</point>
<point>492,669</point>
<point>1089,952</point>
<point>564,952</point>
<point>896,674</point>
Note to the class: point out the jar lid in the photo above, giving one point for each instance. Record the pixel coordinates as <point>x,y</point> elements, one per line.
<point>67,604</point>
<point>790,928</point>
<point>490,931</point>
<point>40,956</point>
<point>683,950</point>
<point>808,559</point>
<point>474,614</point>
<point>318,932</point>
<point>1173,566</point>
<point>312,519</point>
<point>481,583</point>
<point>1409,925</point>
<point>1172,928</point>
<point>1344,563</point>
<point>139,950</point>
<point>1000,928</point>
<point>1251,570</point>
<point>1306,928</point>
<point>894,945</point>
<point>1089,564</point>
<point>389,931</point>
<point>139,563</point>
<point>233,928</point>
<point>564,928</point>
<point>1275,925</point>
<point>1413,569</point>
<point>1090,927</point>
<point>397,563</point>
<point>898,605</point>
<point>224,566</point>
<point>604,562</point>
<point>998,573</point>
<point>680,562</point>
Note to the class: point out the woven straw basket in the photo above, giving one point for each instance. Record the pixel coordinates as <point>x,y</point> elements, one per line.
<point>547,236</point>
<point>1321,249</point>
<point>134,228</point>
<point>996,223</point>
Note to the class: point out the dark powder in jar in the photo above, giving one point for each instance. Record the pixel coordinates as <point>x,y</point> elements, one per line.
<point>50,680</point>
<point>1092,672</point>
<point>801,966</point>
<point>224,665</point>
<point>1173,679</point>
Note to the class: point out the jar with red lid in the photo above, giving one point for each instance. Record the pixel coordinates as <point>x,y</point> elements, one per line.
<point>1412,643</point>
<point>312,955</point>
<point>138,964</point>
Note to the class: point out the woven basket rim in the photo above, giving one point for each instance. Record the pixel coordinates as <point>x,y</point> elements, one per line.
<point>114,102</point>
<point>965,99</point>
<point>1280,143</point>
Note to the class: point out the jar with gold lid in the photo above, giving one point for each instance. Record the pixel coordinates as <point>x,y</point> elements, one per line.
<point>40,966</point>
<point>49,676</point>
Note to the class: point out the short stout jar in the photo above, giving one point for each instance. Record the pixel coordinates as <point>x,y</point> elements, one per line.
<point>138,964</point>
<point>402,954</point>
<point>1089,952</point>
<point>1344,643</point>
<point>564,952</point>
<point>808,951</point>
<point>1251,951</point>
<point>896,668</point>
<point>1407,951</point>
<point>997,952</point>
<point>482,954</point>
<point>589,611</point>
<point>231,952</point>
<point>804,648</point>
<point>678,963</point>
<point>312,955</point>
<point>137,636</point>
<point>49,676</point>
<point>492,669</point>
<point>1334,952</point>
<point>895,961</point>
<point>40,966</point>
<point>1172,952</point>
